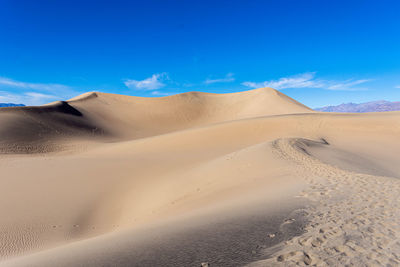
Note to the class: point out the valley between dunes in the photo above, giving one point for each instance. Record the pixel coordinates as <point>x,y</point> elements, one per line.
<point>251,178</point>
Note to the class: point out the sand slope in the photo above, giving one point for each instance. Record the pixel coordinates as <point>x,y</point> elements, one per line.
<point>116,117</point>
<point>105,179</point>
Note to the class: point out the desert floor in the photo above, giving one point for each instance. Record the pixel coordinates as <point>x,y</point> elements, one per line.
<point>251,178</point>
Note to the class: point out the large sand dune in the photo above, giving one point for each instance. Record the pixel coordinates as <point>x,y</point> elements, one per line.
<point>245,178</point>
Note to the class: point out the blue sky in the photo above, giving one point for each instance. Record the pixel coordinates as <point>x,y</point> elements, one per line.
<point>318,52</point>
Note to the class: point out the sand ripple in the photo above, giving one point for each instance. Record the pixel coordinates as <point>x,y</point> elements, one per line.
<point>355,219</point>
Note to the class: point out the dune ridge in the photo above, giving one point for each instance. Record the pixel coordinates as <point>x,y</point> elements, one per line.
<point>115,117</point>
<point>101,172</point>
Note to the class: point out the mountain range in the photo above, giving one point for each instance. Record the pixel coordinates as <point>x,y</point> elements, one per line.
<point>374,106</point>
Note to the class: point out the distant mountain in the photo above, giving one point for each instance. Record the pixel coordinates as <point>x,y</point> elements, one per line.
<point>375,106</point>
<point>3,105</point>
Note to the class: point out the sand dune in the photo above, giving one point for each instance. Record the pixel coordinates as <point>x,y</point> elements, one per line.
<point>245,178</point>
<point>116,117</point>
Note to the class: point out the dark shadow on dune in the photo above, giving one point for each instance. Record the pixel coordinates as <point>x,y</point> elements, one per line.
<point>37,129</point>
<point>343,159</point>
<point>230,243</point>
<point>60,107</point>
<point>220,240</point>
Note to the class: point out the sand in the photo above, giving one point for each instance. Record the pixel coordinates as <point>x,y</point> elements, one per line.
<point>250,178</point>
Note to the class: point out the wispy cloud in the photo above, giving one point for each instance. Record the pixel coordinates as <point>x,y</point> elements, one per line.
<point>152,83</point>
<point>297,81</point>
<point>308,80</point>
<point>158,93</point>
<point>347,85</point>
<point>28,93</point>
<point>27,98</point>
<point>397,86</point>
<point>6,82</point>
<point>228,78</point>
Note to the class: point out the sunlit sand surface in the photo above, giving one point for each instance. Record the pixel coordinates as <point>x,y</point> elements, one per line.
<point>250,178</point>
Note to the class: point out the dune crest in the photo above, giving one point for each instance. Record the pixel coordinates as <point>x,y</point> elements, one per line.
<point>101,116</point>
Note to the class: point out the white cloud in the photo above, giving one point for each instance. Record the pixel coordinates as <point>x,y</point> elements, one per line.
<point>308,80</point>
<point>6,82</point>
<point>297,81</point>
<point>27,98</point>
<point>158,93</point>
<point>152,83</point>
<point>346,85</point>
<point>27,93</point>
<point>228,78</point>
<point>398,86</point>
<point>38,97</point>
